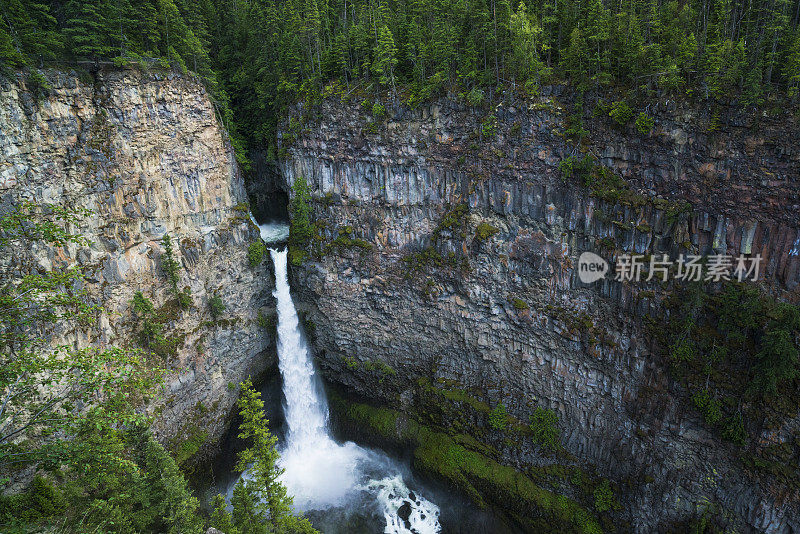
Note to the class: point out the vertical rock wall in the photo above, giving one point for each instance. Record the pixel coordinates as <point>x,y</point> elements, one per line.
<point>516,326</point>
<point>146,154</point>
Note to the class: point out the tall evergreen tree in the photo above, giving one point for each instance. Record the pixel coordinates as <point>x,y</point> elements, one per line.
<point>88,28</point>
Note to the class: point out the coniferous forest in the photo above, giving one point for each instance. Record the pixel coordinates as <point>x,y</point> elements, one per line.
<point>91,457</point>
<point>258,56</point>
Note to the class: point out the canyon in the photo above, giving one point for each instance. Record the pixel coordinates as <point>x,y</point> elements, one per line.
<point>442,281</point>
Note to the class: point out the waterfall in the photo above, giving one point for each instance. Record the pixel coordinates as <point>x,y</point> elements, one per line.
<point>318,472</point>
<point>306,410</point>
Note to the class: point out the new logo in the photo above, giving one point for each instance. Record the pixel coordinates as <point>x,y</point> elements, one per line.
<point>591,267</point>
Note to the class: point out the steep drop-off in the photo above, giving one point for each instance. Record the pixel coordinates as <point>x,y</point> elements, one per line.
<point>417,304</point>
<point>146,154</point>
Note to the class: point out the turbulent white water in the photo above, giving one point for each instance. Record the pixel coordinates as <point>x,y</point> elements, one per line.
<point>319,472</point>
<point>393,494</point>
<point>273,232</point>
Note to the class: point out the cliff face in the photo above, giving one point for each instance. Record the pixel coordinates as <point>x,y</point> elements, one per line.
<point>404,279</point>
<point>147,156</point>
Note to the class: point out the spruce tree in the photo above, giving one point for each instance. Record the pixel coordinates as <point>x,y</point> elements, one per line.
<point>260,501</point>
<point>385,57</point>
<point>88,28</point>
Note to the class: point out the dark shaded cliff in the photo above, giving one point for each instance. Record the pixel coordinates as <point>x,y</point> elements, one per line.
<point>446,247</point>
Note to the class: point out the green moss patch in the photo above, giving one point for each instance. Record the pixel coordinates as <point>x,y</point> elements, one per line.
<point>465,464</point>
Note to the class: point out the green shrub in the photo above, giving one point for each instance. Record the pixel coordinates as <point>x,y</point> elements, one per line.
<point>575,129</point>
<point>709,407</point>
<point>150,328</point>
<point>484,231</point>
<point>475,97</point>
<point>350,362</point>
<point>683,350</point>
<point>42,500</point>
<point>604,497</point>
<point>345,240</point>
<point>489,127</point>
<point>38,84</point>
<point>256,252</point>
<point>621,112</point>
<point>378,111</point>
<point>734,431</point>
<point>453,219</point>
<point>498,417</point>
<point>141,304</point>
<point>601,108</point>
<point>582,167</point>
<point>532,88</point>
<point>644,123</point>
<point>185,298</point>
<point>216,306</point>
<point>519,304</point>
<point>544,428</point>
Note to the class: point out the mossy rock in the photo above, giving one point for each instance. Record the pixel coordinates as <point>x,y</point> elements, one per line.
<point>466,465</point>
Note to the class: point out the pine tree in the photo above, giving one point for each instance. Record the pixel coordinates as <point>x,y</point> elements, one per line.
<point>169,264</point>
<point>385,57</point>
<point>88,27</point>
<point>10,56</point>
<point>525,37</point>
<point>28,33</point>
<point>777,360</point>
<point>791,68</point>
<point>574,61</point>
<point>260,501</point>
<point>221,518</point>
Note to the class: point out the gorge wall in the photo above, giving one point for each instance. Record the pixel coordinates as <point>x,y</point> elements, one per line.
<point>146,154</point>
<point>404,291</point>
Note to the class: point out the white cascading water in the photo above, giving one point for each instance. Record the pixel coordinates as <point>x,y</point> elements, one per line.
<point>319,472</point>
<point>306,413</point>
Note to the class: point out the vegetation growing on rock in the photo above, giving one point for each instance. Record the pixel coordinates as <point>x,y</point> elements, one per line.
<point>484,231</point>
<point>498,417</point>
<point>544,428</point>
<point>736,352</point>
<point>171,266</point>
<point>301,230</point>
<point>256,252</point>
<point>463,463</point>
<point>216,307</point>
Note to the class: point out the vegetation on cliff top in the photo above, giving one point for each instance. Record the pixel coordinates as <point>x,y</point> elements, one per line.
<point>259,56</point>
